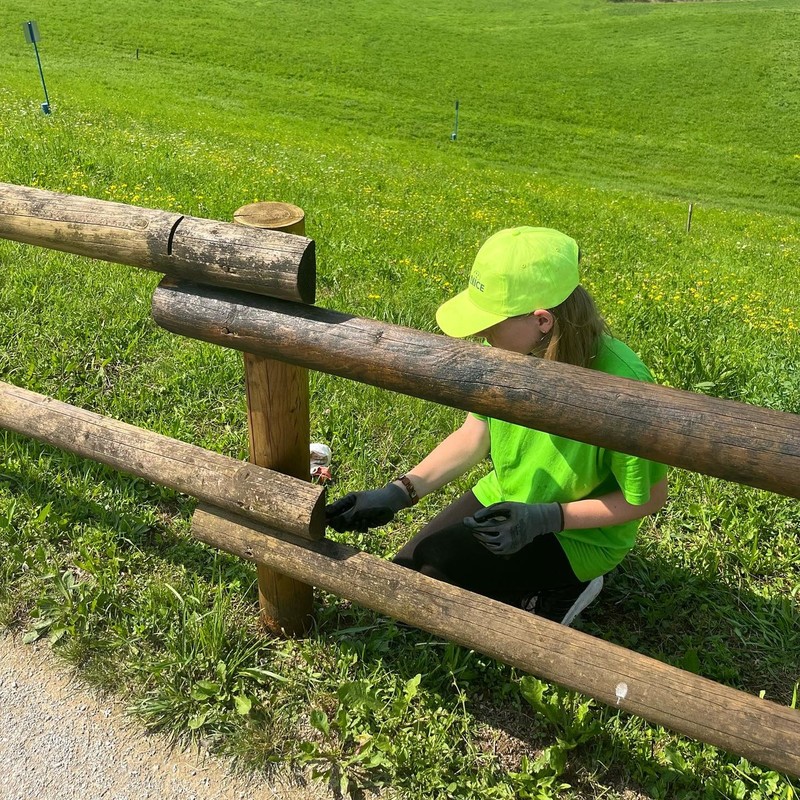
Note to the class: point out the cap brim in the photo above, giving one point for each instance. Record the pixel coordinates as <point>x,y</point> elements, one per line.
<point>460,317</point>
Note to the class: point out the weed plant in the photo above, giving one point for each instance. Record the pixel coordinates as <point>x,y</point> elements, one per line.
<point>581,115</point>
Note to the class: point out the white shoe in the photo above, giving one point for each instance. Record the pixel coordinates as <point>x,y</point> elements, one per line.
<point>584,599</point>
<point>563,605</point>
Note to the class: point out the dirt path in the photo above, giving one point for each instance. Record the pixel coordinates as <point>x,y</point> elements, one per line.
<point>58,740</point>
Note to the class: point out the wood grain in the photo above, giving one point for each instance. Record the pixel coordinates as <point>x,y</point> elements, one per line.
<point>251,259</point>
<point>760,730</point>
<point>261,494</point>
<point>279,425</point>
<point>728,439</point>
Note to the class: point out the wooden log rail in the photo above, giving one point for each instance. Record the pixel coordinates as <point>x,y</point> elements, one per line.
<point>724,438</point>
<point>276,521</point>
<point>757,729</point>
<point>218,253</point>
<point>269,497</point>
<point>760,730</point>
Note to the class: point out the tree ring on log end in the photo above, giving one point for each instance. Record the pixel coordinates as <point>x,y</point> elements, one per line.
<point>277,216</point>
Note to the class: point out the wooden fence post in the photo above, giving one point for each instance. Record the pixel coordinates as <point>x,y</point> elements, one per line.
<point>278,419</point>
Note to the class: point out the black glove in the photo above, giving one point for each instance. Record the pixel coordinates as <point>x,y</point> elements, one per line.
<point>360,511</point>
<point>505,528</point>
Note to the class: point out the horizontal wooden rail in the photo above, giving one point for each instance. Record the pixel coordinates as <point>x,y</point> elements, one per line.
<point>276,500</point>
<point>757,729</point>
<point>219,253</point>
<point>730,440</point>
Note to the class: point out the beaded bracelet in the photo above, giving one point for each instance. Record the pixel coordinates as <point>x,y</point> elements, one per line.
<point>412,492</point>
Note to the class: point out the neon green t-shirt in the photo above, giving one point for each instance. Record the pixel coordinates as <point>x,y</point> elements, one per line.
<point>531,466</point>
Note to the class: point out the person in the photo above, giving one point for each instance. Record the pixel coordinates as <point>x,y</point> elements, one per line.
<point>553,515</point>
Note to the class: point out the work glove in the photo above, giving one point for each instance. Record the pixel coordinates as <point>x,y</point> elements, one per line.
<point>505,528</point>
<point>360,511</point>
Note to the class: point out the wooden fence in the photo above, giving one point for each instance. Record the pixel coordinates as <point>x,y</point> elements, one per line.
<point>275,520</point>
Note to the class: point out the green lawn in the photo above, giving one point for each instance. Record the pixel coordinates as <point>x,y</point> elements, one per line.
<point>698,101</point>
<point>602,119</point>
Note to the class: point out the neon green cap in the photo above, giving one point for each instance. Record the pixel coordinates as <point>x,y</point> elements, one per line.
<point>516,271</point>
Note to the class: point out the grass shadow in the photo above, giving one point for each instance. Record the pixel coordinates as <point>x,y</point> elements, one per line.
<point>690,620</point>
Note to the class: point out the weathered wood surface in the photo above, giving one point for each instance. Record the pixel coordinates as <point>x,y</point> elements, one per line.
<point>757,729</point>
<point>219,253</point>
<point>275,216</point>
<point>261,494</point>
<point>279,425</point>
<point>731,440</point>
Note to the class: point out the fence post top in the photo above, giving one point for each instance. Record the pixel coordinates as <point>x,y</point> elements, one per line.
<point>277,216</point>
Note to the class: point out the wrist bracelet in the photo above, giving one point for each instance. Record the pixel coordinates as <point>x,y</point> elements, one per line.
<point>561,513</point>
<point>412,492</point>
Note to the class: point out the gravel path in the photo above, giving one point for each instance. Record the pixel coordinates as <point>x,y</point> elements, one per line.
<point>58,741</point>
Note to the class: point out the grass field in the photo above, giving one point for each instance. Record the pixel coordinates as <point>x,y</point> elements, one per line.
<point>602,119</point>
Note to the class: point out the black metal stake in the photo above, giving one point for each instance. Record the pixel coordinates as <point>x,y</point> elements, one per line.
<point>46,104</point>
<point>32,35</point>
<point>454,134</point>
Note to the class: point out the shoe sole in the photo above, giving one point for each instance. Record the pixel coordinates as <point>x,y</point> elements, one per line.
<point>586,597</point>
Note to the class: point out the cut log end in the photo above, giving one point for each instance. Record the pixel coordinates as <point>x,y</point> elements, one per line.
<point>278,216</point>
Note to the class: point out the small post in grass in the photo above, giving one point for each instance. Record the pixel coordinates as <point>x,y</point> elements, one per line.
<point>32,37</point>
<point>278,419</point>
<point>689,218</point>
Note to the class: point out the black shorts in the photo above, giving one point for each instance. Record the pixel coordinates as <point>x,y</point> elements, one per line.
<point>446,549</point>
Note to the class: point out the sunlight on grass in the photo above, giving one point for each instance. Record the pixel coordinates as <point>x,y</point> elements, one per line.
<point>606,136</point>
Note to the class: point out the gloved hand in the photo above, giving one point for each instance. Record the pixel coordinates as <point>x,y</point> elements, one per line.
<point>505,528</point>
<point>360,511</point>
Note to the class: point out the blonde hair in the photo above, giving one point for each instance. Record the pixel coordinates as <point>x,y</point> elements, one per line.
<point>575,335</point>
